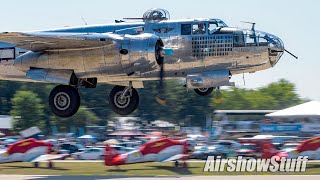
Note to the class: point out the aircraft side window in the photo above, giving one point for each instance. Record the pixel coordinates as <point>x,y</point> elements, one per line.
<point>185,29</point>
<point>238,40</point>
<point>199,28</point>
<point>263,41</point>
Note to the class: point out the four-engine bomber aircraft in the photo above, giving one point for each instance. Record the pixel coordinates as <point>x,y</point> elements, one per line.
<point>206,52</point>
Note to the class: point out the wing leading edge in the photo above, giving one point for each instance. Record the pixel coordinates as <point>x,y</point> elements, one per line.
<point>42,41</point>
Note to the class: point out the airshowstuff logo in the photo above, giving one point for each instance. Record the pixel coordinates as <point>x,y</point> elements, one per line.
<point>273,164</point>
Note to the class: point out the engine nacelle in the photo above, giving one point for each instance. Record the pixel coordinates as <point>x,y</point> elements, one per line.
<point>209,79</point>
<point>139,53</point>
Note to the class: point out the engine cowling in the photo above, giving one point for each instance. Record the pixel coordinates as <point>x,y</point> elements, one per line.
<point>140,53</point>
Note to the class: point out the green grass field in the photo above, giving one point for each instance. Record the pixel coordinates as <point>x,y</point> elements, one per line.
<point>146,169</point>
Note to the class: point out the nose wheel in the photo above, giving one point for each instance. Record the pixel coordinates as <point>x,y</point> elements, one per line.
<point>204,91</point>
<point>64,101</point>
<point>123,100</point>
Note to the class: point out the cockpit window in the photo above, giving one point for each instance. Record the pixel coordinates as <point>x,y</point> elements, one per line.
<point>199,28</point>
<point>221,23</point>
<point>218,23</point>
<point>212,27</point>
<point>215,25</point>
<point>263,41</point>
<point>238,39</point>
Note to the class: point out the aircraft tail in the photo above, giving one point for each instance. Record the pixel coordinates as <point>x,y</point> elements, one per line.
<point>109,154</point>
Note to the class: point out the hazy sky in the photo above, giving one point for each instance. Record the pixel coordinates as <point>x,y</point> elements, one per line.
<point>296,22</point>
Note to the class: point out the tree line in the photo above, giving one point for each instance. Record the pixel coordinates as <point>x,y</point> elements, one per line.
<point>28,103</point>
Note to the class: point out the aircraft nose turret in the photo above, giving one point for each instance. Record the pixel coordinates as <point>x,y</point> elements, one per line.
<point>275,44</point>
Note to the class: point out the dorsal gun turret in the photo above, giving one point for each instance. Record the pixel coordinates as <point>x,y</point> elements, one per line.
<point>153,15</point>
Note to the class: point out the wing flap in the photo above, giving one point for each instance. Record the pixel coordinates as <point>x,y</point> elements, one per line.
<point>41,41</point>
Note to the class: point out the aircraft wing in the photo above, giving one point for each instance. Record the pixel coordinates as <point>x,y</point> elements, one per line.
<point>41,41</point>
<point>175,157</point>
<point>48,157</point>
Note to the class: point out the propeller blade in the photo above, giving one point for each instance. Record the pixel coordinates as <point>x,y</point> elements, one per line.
<point>291,54</point>
<point>161,52</point>
<point>160,98</point>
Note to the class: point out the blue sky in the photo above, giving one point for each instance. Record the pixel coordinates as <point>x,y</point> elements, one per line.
<point>296,22</point>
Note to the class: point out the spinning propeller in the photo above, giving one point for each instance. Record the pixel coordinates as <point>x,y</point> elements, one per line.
<point>160,56</point>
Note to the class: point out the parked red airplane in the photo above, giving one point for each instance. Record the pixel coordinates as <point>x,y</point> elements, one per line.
<point>162,150</point>
<point>309,147</point>
<point>29,150</point>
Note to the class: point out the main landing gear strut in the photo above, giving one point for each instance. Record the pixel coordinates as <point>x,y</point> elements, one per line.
<point>124,100</point>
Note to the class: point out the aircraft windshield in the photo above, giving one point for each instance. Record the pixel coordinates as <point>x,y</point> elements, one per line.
<point>214,25</point>
<point>218,23</point>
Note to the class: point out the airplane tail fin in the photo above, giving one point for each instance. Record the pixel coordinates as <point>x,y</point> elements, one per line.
<point>109,154</point>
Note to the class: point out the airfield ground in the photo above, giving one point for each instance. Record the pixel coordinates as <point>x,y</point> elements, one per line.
<point>147,169</point>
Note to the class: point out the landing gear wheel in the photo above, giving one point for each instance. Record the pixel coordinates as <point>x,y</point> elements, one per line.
<point>204,91</point>
<point>64,101</point>
<point>176,164</point>
<point>184,165</point>
<point>123,100</point>
<point>50,165</point>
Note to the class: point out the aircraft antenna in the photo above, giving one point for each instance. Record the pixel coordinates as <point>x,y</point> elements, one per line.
<point>252,23</point>
<point>244,80</point>
<point>85,22</point>
<point>253,30</point>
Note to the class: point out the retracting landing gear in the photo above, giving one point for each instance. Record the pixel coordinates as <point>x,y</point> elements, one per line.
<point>64,101</point>
<point>124,100</point>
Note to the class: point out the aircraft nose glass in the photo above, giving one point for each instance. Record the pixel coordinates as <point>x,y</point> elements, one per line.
<point>272,39</point>
<point>274,43</point>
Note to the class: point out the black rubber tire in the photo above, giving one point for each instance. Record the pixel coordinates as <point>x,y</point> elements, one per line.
<point>184,165</point>
<point>176,164</point>
<point>50,165</point>
<point>132,106</point>
<point>36,164</point>
<point>206,93</point>
<point>74,97</point>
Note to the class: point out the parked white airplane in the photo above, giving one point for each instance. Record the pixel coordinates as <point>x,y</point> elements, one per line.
<point>29,150</point>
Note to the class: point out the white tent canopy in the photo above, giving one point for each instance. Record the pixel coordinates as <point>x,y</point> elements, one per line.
<point>311,108</point>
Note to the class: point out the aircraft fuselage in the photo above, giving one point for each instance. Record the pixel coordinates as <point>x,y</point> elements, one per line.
<point>216,47</point>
